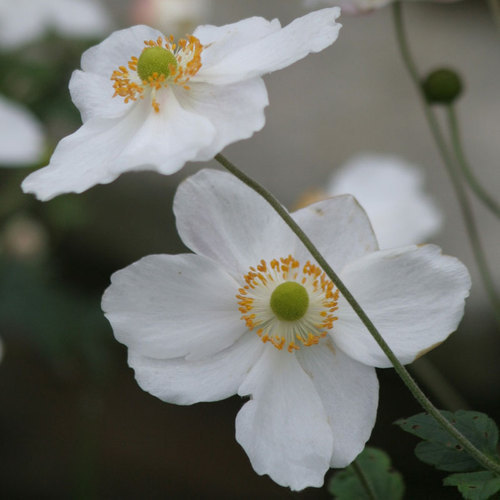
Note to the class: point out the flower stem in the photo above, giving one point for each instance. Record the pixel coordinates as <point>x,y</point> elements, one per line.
<point>364,480</point>
<point>418,394</point>
<point>469,176</point>
<point>495,11</point>
<point>470,223</point>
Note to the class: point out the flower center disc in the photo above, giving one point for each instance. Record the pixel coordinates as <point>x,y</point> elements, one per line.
<point>155,60</point>
<point>289,301</point>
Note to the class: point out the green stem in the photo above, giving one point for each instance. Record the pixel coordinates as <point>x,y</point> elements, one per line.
<point>495,11</point>
<point>469,176</point>
<point>400,369</point>
<point>364,480</point>
<point>463,201</point>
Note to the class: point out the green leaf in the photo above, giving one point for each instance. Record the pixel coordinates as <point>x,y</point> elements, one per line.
<point>385,482</point>
<point>475,485</point>
<point>442,450</point>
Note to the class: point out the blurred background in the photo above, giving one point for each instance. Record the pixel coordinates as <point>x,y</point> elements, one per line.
<point>73,422</point>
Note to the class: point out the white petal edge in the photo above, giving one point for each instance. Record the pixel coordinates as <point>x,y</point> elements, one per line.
<point>185,382</point>
<point>220,217</point>
<point>349,393</point>
<point>339,228</point>
<point>169,306</point>
<point>414,296</point>
<point>278,49</point>
<point>284,428</point>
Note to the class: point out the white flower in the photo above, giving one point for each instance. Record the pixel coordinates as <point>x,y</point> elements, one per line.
<point>22,21</point>
<point>171,16</point>
<point>169,103</point>
<point>21,135</point>
<point>251,314</point>
<point>358,6</point>
<point>391,192</point>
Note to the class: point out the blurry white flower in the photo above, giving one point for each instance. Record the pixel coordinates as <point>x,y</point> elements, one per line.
<point>24,238</point>
<point>359,6</point>
<point>391,191</point>
<point>251,313</point>
<point>22,21</point>
<point>171,16</point>
<point>169,103</point>
<point>21,135</point>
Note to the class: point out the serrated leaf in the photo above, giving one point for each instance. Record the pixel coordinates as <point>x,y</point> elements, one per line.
<point>386,483</point>
<point>442,450</point>
<point>475,485</point>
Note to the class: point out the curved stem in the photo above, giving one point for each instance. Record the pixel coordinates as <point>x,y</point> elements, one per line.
<point>469,176</point>
<point>364,480</point>
<point>400,369</point>
<point>463,201</point>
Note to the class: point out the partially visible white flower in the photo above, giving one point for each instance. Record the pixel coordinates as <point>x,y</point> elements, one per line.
<point>171,16</point>
<point>391,191</point>
<point>24,238</point>
<point>251,313</point>
<point>150,103</point>
<point>21,135</point>
<point>22,21</point>
<point>359,6</point>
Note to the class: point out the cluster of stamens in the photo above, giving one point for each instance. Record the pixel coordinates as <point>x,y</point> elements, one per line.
<point>315,317</point>
<point>176,64</point>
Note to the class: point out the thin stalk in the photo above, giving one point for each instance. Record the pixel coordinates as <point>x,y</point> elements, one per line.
<point>418,394</point>
<point>367,485</point>
<point>463,201</point>
<point>495,11</point>
<point>469,176</point>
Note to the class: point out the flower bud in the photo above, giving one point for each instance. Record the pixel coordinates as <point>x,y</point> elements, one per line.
<point>442,86</point>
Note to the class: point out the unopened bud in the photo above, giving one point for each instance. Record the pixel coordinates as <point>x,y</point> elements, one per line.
<point>442,86</point>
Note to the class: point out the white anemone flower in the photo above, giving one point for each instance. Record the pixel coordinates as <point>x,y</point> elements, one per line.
<point>22,21</point>
<point>359,6</point>
<point>251,313</point>
<point>391,191</point>
<point>21,135</point>
<point>148,102</point>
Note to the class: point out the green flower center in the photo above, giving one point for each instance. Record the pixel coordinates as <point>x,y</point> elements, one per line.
<point>289,301</point>
<point>155,60</point>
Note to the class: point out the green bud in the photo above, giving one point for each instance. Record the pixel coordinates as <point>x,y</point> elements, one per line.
<point>289,301</point>
<point>155,60</point>
<point>442,86</point>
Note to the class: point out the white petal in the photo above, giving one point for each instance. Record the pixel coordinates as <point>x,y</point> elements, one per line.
<point>349,393</point>
<point>169,306</point>
<point>284,428</point>
<point>220,217</point>
<point>117,49</point>
<point>391,192</point>
<point>339,228</point>
<point>209,379</point>
<point>414,296</point>
<point>102,149</point>
<point>21,135</point>
<point>278,49</point>
<point>218,105</point>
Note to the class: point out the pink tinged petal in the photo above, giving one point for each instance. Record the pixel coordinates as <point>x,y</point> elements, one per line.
<point>391,191</point>
<point>414,296</point>
<point>101,149</point>
<point>186,382</point>
<point>284,428</point>
<point>170,306</point>
<point>236,111</point>
<point>21,135</point>
<point>220,217</point>
<point>349,393</point>
<point>276,50</point>
<point>339,228</point>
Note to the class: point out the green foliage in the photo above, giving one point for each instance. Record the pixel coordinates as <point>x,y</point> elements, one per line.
<point>375,465</point>
<point>475,485</point>
<point>444,452</point>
